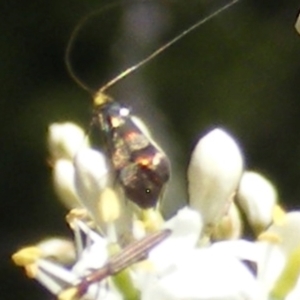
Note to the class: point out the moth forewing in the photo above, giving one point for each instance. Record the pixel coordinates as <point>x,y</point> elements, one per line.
<point>142,168</point>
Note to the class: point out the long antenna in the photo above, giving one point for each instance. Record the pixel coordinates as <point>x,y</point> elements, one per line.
<point>133,68</point>
<point>71,41</point>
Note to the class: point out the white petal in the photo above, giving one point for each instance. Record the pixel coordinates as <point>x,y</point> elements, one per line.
<point>187,222</point>
<point>270,265</point>
<point>240,249</point>
<point>93,257</point>
<point>205,274</point>
<point>257,197</point>
<point>64,140</point>
<point>213,175</point>
<point>186,228</point>
<point>267,259</point>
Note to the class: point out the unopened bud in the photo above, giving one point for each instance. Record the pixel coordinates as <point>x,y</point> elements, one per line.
<point>213,175</point>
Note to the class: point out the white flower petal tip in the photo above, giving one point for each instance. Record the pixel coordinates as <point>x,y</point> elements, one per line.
<point>213,175</point>
<point>63,181</point>
<point>65,139</point>
<point>257,197</point>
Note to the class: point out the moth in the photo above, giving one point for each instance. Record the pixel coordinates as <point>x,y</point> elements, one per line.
<point>141,167</point>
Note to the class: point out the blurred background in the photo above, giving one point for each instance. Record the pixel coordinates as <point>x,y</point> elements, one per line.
<point>240,71</point>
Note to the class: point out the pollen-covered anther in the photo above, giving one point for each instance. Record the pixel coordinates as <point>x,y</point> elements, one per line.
<point>152,219</point>
<point>68,294</point>
<point>270,237</point>
<point>109,205</point>
<point>278,215</point>
<point>27,256</point>
<point>77,214</point>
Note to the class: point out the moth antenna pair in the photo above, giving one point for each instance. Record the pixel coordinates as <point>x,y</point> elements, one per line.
<point>141,63</point>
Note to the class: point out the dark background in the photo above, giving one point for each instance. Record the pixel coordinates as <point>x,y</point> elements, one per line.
<point>240,71</point>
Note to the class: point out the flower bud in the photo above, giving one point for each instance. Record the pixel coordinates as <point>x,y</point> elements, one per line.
<point>91,178</point>
<point>63,181</point>
<point>64,140</point>
<point>213,175</point>
<point>257,197</point>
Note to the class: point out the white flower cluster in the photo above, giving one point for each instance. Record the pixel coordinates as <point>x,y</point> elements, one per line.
<point>199,253</point>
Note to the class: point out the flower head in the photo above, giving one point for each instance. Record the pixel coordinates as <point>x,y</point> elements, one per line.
<point>122,251</point>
